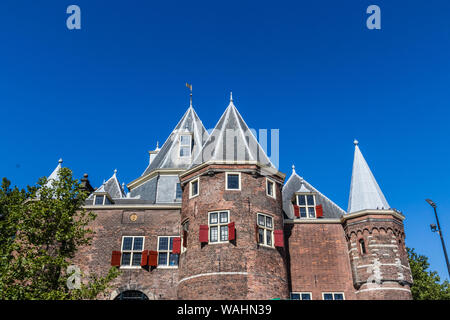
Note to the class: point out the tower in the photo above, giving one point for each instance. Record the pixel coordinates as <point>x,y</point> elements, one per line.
<point>376,239</point>
<point>232,219</point>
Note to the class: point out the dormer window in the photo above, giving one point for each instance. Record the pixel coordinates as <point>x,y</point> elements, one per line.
<point>307,205</point>
<point>185,145</point>
<point>101,199</point>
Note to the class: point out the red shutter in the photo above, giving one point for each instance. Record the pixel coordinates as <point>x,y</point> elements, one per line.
<point>115,258</point>
<point>297,211</point>
<point>319,211</point>
<point>176,247</point>
<point>279,238</point>
<point>144,258</point>
<point>153,258</point>
<point>203,235</point>
<point>231,231</point>
<point>185,234</point>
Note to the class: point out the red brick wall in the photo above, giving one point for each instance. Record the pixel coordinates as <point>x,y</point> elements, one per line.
<point>110,225</point>
<point>319,260</point>
<point>263,269</point>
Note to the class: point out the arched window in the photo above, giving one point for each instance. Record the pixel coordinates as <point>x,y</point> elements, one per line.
<point>131,295</point>
<point>362,246</point>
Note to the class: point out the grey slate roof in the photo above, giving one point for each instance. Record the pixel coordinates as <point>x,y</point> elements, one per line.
<point>365,192</point>
<point>295,184</point>
<point>232,140</point>
<point>112,187</point>
<point>168,156</point>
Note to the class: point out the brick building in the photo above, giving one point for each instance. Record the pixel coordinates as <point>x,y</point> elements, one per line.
<point>212,218</point>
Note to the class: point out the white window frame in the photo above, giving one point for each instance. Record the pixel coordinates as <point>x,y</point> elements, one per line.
<point>307,205</point>
<point>183,146</point>
<point>226,180</point>
<point>266,229</point>
<point>218,225</point>
<point>274,195</point>
<point>333,293</point>
<point>130,266</point>
<point>300,293</point>
<point>104,195</point>
<point>190,188</point>
<point>168,251</point>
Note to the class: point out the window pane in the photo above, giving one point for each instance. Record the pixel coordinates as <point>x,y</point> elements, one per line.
<point>171,244</point>
<point>306,296</point>
<point>213,234</point>
<point>338,296</point>
<point>107,201</point>
<point>163,243</point>
<point>302,212</point>
<point>162,259</point>
<point>233,181</point>
<point>185,140</point>
<point>213,218</point>
<point>173,259</point>
<point>328,296</point>
<point>223,233</point>
<point>301,200</point>
<point>312,212</point>
<point>194,187</point>
<point>127,243</point>
<point>126,259</point>
<point>178,192</point>
<point>268,222</point>
<point>185,151</point>
<point>137,259</point>
<point>260,235</point>
<point>138,243</point>
<point>295,296</point>
<point>99,200</point>
<point>270,188</point>
<point>223,217</point>
<point>261,220</point>
<point>268,237</point>
<point>310,199</point>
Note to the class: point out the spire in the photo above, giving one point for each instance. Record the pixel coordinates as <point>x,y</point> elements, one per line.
<point>293,169</point>
<point>190,96</point>
<point>364,190</point>
<point>231,96</point>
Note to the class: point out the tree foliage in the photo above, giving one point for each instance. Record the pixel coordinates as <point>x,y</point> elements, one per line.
<point>41,230</point>
<point>427,284</point>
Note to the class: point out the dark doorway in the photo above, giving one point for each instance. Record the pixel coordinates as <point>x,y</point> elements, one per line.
<point>131,295</point>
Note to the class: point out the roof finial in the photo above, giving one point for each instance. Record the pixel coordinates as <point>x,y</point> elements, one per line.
<point>115,171</point>
<point>157,144</point>
<point>190,88</point>
<point>355,142</point>
<point>60,160</point>
<point>231,96</point>
<point>293,168</point>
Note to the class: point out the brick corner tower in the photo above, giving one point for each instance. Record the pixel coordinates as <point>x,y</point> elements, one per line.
<point>376,239</point>
<point>232,219</point>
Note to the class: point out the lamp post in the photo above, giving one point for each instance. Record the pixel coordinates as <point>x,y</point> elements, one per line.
<point>438,229</point>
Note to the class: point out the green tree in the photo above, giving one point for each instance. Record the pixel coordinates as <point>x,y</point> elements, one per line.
<point>427,284</point>
<point>41,230</point>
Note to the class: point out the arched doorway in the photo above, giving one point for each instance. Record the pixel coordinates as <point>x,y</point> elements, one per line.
<point>131,295</point>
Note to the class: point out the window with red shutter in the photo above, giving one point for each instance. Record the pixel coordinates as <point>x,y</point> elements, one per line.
<point>279,238</point>
<point>115,258</point>
<point>203,234</point>
<point>231,231</point>
<point>144,258</point>
<point>297,211</point>
<point>319,211</point>
<point>176,247</point>
<point>153,258</point>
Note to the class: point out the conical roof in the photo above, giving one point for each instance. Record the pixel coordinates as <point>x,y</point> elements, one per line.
<point>54,176</point>
<point>232,141</point>
<point>168,155</point>
<point>364,190</point>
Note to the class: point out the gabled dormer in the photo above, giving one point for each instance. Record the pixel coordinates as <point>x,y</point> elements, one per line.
<point>108,192</point>
<point>305,204</point>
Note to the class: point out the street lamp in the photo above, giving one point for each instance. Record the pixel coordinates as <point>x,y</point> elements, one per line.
<point>439,230</point>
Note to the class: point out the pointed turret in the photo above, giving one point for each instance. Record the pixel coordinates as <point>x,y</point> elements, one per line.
<point>232,141</point>
<point>54,176</point>
<point>364,190</point>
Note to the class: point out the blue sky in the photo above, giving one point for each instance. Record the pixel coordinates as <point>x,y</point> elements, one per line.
<point>102,96</point>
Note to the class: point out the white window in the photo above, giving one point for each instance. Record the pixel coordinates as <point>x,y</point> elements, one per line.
<point>307,205</point>
<point>184,235</point>
<point>165,256</point>
<point>218,226</point>
<point>301,296</point>
<point>194,187</point>
<point>270,188</point>
<point>233,181</point>
<point>101,199</point>
<point>132,248</point>
<point>185,145</point>
<point>265,229</point>
<point>333,295</point>
<point>178,192</point>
